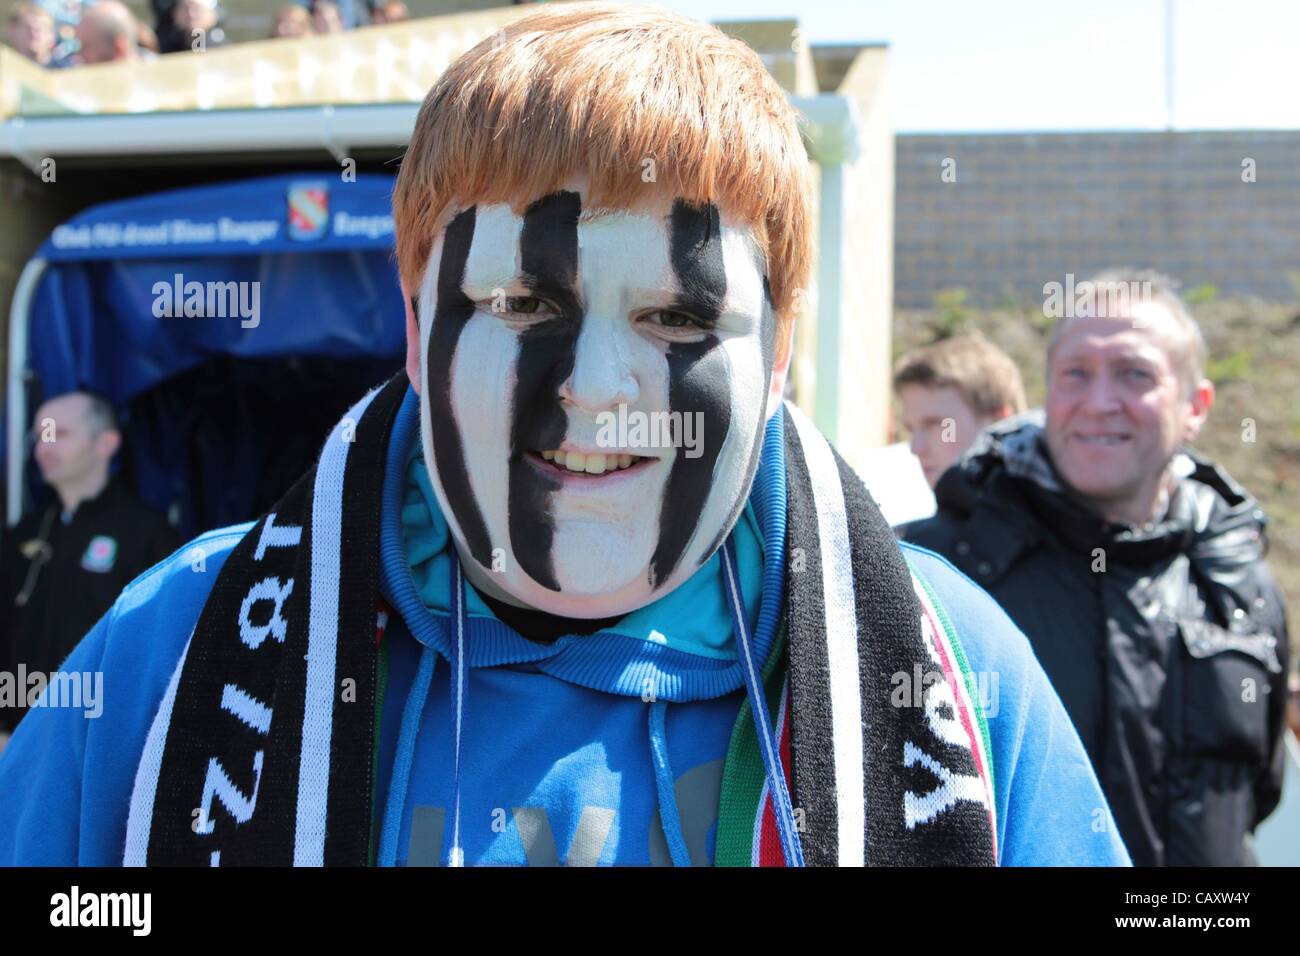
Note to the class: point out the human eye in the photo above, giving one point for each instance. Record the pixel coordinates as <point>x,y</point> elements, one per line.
<point>520,308</point>
<point>528,305</point>
<point>673,323</point>
<point>675,320</point>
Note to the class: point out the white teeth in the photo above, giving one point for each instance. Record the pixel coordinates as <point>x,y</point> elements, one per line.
<point>593,464</point>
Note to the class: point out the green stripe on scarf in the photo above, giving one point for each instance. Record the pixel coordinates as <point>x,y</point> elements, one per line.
<point>972,688</point>
<point>743,774</point>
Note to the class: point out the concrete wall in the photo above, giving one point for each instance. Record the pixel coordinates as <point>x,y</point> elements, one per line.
<point>1026,209</point>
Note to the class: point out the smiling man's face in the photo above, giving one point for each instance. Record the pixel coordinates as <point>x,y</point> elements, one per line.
<point>593,395</point>
<point>1118,408</point>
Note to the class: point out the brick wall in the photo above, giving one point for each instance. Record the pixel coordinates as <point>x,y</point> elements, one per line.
<point>1026,209</point>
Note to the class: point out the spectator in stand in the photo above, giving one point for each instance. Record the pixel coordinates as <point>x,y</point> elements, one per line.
<point>107,33</point>
<point>148,39</point>
<point>392,12</point>
<point>30,31</point>
<point>326,17</point>
<point>949,392</point>
<point>291,21</point>
<point>188,25</point>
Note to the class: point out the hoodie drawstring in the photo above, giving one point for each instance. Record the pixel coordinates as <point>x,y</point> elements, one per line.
<point>668,815</point>
<point>458,694</point>
<point>782,807</point>
<point>412,715</point>
<point>405,757</point>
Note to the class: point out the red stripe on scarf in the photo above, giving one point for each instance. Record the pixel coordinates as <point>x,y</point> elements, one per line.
<point>952,674</point>
<point>769,838</point>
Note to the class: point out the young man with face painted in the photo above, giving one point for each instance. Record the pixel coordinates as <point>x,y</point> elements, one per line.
<point>577,587</point>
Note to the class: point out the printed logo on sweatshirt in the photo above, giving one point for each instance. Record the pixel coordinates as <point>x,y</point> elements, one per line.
<point>696,793</point>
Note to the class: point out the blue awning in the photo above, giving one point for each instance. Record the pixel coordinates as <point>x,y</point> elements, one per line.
<point>140,290</point>
<point>287,213</point>
<point>230,324</point>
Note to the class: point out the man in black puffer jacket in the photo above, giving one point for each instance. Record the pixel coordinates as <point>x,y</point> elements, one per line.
<point>1135,566</point>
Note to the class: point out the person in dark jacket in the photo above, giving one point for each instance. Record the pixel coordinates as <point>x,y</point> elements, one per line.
<point>63,566</point>
<point>184,26</point>
<point>1136,568</point>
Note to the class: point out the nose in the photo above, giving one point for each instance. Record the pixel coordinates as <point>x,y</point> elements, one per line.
<point>1101,396</point>
<point>602,376</point>
<point>917,444</point>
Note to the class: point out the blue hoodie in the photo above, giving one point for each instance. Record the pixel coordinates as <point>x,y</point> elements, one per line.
<point>606,749</point>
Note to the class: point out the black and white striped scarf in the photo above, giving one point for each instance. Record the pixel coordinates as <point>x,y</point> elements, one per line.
<point>258,756</point>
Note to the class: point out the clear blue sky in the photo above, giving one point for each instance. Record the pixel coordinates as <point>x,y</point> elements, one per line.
<point>1062,64</point>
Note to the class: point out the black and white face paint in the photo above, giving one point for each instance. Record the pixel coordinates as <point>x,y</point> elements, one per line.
<point>594,396</point>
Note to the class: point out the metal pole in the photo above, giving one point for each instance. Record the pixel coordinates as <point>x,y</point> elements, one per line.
<point>19,316</point>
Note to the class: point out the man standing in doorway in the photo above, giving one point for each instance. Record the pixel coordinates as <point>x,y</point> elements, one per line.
<point>65,564</point>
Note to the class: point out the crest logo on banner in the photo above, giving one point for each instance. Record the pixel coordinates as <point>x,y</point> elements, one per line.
<point>309,210</point>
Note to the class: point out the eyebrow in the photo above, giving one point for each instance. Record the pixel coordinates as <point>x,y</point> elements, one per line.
<point>695,251</point>
<point>704,308</point>
<point>548,249</point>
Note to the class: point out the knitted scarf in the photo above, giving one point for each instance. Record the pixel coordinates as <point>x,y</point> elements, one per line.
<point>262,750</point>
